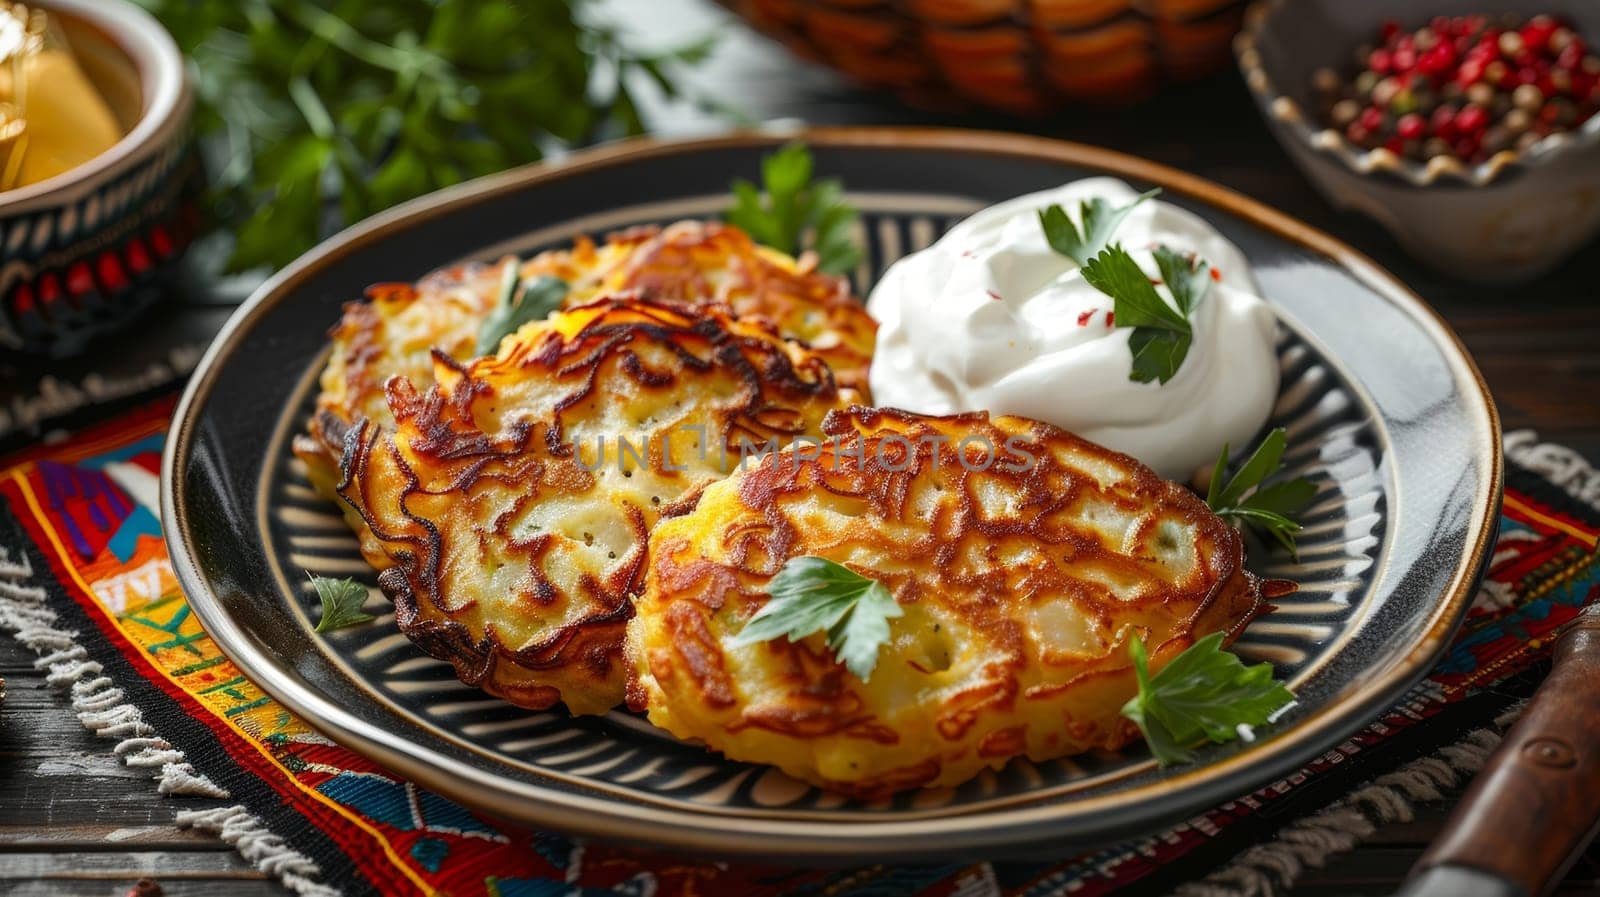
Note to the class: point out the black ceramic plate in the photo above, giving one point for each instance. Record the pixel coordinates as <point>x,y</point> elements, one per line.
<point>1386,414</point>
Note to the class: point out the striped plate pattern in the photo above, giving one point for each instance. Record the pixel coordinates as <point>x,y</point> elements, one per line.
<point>1334,440</point>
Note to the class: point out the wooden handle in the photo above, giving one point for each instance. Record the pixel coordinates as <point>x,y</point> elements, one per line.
<point>1536,804</point>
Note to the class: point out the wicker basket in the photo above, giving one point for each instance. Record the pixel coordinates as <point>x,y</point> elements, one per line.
<point>1022,56</point>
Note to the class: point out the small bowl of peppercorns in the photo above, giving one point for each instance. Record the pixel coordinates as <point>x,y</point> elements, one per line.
<point>1474,137</point>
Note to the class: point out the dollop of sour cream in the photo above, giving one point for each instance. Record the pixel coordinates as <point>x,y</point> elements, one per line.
<point>991,318</point>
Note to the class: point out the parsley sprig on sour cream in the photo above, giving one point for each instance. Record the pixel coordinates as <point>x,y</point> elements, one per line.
<point>999,315</point>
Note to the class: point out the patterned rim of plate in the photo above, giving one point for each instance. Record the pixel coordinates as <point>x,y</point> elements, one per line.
<point>722,813</point>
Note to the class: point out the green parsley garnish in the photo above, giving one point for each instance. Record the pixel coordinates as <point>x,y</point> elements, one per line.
<point>1270,509</point>
<point>1100,219</point>
<point>341,602</point>
<point>812,594</point>
<point>1161,334</point>
<point>519,302</point>
<point>1205,693</point>
<point>796,213</point>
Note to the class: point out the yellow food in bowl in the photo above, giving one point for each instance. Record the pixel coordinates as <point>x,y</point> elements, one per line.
<point>51,117</point>
<point>1024,560</point>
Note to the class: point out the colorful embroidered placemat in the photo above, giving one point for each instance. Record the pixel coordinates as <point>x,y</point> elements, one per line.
<point>84,579</point>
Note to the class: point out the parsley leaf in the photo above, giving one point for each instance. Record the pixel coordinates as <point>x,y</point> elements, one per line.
<point>1270,509</point>
<point>813,594</point>
<point>1203,694</point>
<point>1186,276</point>
<point>341,602</point>
<point>795,213</point>
<point>1157,353</point>
<point>1162,335</point>
<point>1100,219</point>
<point>519,302</point>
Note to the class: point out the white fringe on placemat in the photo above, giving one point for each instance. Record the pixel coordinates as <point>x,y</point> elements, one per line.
<point>256,843</point>
<point>102,708</point>
<point>1557,463</point>
<point>1273,867</point>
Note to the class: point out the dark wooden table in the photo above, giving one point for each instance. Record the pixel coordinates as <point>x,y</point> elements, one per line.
<point>74,821</point>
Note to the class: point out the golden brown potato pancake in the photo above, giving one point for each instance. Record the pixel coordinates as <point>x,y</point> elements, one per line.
<point>393,333</point>
<point>514,513</point>
<point>1021,586</point>
<point>707,262</point>
<point>692,262</point>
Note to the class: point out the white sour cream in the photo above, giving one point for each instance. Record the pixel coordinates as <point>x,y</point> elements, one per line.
<point>990,318</point>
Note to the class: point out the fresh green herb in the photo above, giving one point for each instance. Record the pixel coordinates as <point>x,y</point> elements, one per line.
<point>812,594</point>
<point>1205,693</point>
<point>519,302</point>
<point>1270,509</point>
<point>795,213</point>
<point>1186,275</point>
<point>1161,334</point>
<point>317,113</point>
<point>1100,219</point>
<point>341,602</point>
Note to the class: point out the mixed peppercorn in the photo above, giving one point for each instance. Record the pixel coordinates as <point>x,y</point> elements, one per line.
<point>1466,86</point>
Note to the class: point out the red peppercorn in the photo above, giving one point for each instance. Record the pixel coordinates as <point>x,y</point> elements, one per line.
<point>1436,61</point>
<point>1536,34</point>
<point>1472,119</point>
<point>1463,86</point>
<point>1443,122</point>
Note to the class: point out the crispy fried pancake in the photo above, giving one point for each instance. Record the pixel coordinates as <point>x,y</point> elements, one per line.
<point>516,518</point>
<point>391,334</point>
<point>699,262</point>
<point>1021,589</point>
<point>691,262</point>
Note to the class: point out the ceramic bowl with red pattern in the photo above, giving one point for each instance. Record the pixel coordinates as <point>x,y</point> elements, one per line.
<point>85,251</point>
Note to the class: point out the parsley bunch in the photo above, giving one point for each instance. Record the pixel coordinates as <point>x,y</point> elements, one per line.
<point>1161,334</point>
<point>813,594</point>
<point>793,213</point>
<point>1203,694</point>
<point>318,113</point>
<point>518,302</point>
<point>1100,219</point>
<point>341,602</point>
<point>1243,498</point>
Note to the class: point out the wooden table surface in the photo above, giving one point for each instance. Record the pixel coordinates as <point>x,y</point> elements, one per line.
<point>74,821</point>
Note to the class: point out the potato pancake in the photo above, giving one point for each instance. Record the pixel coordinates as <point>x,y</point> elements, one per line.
<point>701,262</point>
<point>515,496</point>
<point>1024,561</point>
<point>692,262</point>
<point>393,333</point>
